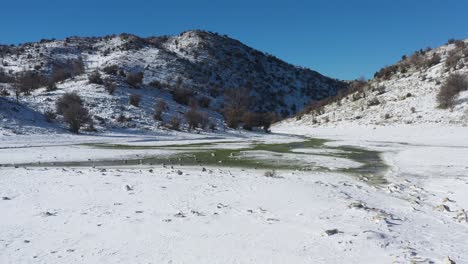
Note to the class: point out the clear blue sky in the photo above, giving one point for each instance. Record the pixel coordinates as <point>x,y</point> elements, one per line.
<point>339,38</point>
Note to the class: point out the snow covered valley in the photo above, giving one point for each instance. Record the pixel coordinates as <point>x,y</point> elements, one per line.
<point>299,195</point>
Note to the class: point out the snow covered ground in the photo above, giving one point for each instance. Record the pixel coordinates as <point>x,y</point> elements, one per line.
<point>187,214</point>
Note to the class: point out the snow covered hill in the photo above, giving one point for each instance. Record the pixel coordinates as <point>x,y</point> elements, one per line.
<point>196,64</point>
<point>404,93</point>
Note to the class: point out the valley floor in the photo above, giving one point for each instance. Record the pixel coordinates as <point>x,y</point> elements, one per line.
<point>165,213</point>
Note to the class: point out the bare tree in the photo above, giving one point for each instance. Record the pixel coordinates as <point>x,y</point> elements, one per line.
<point>29,81</point>
<point>76,115</point>
<point>70,105</point>
<point>236,103</point>
<point>159,107</point>
<point>196,118</point>
<point>449,91</point>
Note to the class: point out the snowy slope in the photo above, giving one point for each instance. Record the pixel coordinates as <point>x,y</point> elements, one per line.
<point>203,62</point>
<point>406,97</point>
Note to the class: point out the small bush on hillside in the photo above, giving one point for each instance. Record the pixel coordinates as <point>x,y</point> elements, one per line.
<point>70,105</point>
<point>251,120</point>
<point>416,60</point>
<point>449,91</point>
<point>66,100</point>
<point>135,79</point>
<point>182,95</point>
<point>196,118</point>
<point>111,69</point>
<point>76,115</point>
<point>159,107</point>
<point>29,81</point>
<point>460,44</point>
<point>386,72</point>
<point>134,99</point>
<point>51,87</point>
<point>77,67</point>
<point>236,104</point>
<point>110,86</point>
<point>174,123</point>
<point>231,116</point>
<point>204,102</point>
<point>95,77</point>
<point>465,52</point>
<point>59,74</point>
<point>50,115</point>
<point>434,60</point>
<point>452,60</point>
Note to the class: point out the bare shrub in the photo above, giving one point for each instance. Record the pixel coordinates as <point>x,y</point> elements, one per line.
<point>134,99</point>
<point>110,86</point>
<point>50,115</point>
<point>70,105</point>
<point>76,115</point>
<point>66,100</point>
<point>449,91</point>
<point>182,95</point>
<point>51,87</point>
<point>236,103</point>
<point>251,120</point>
<point>95,77</point>
<point>159,107</point>
<point>135,79</point>
<point>59,74</point>
<point>111,69</point>
<point>386,72</point>
<point>204,102</point>
<point>196,118</point>
<point>416,60</point>
<point>460,44</point>
<point>434,60</point>
<point>29,81</point>
<point>174,123</point>
<point>77,67</point>
<point>452,60</point>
